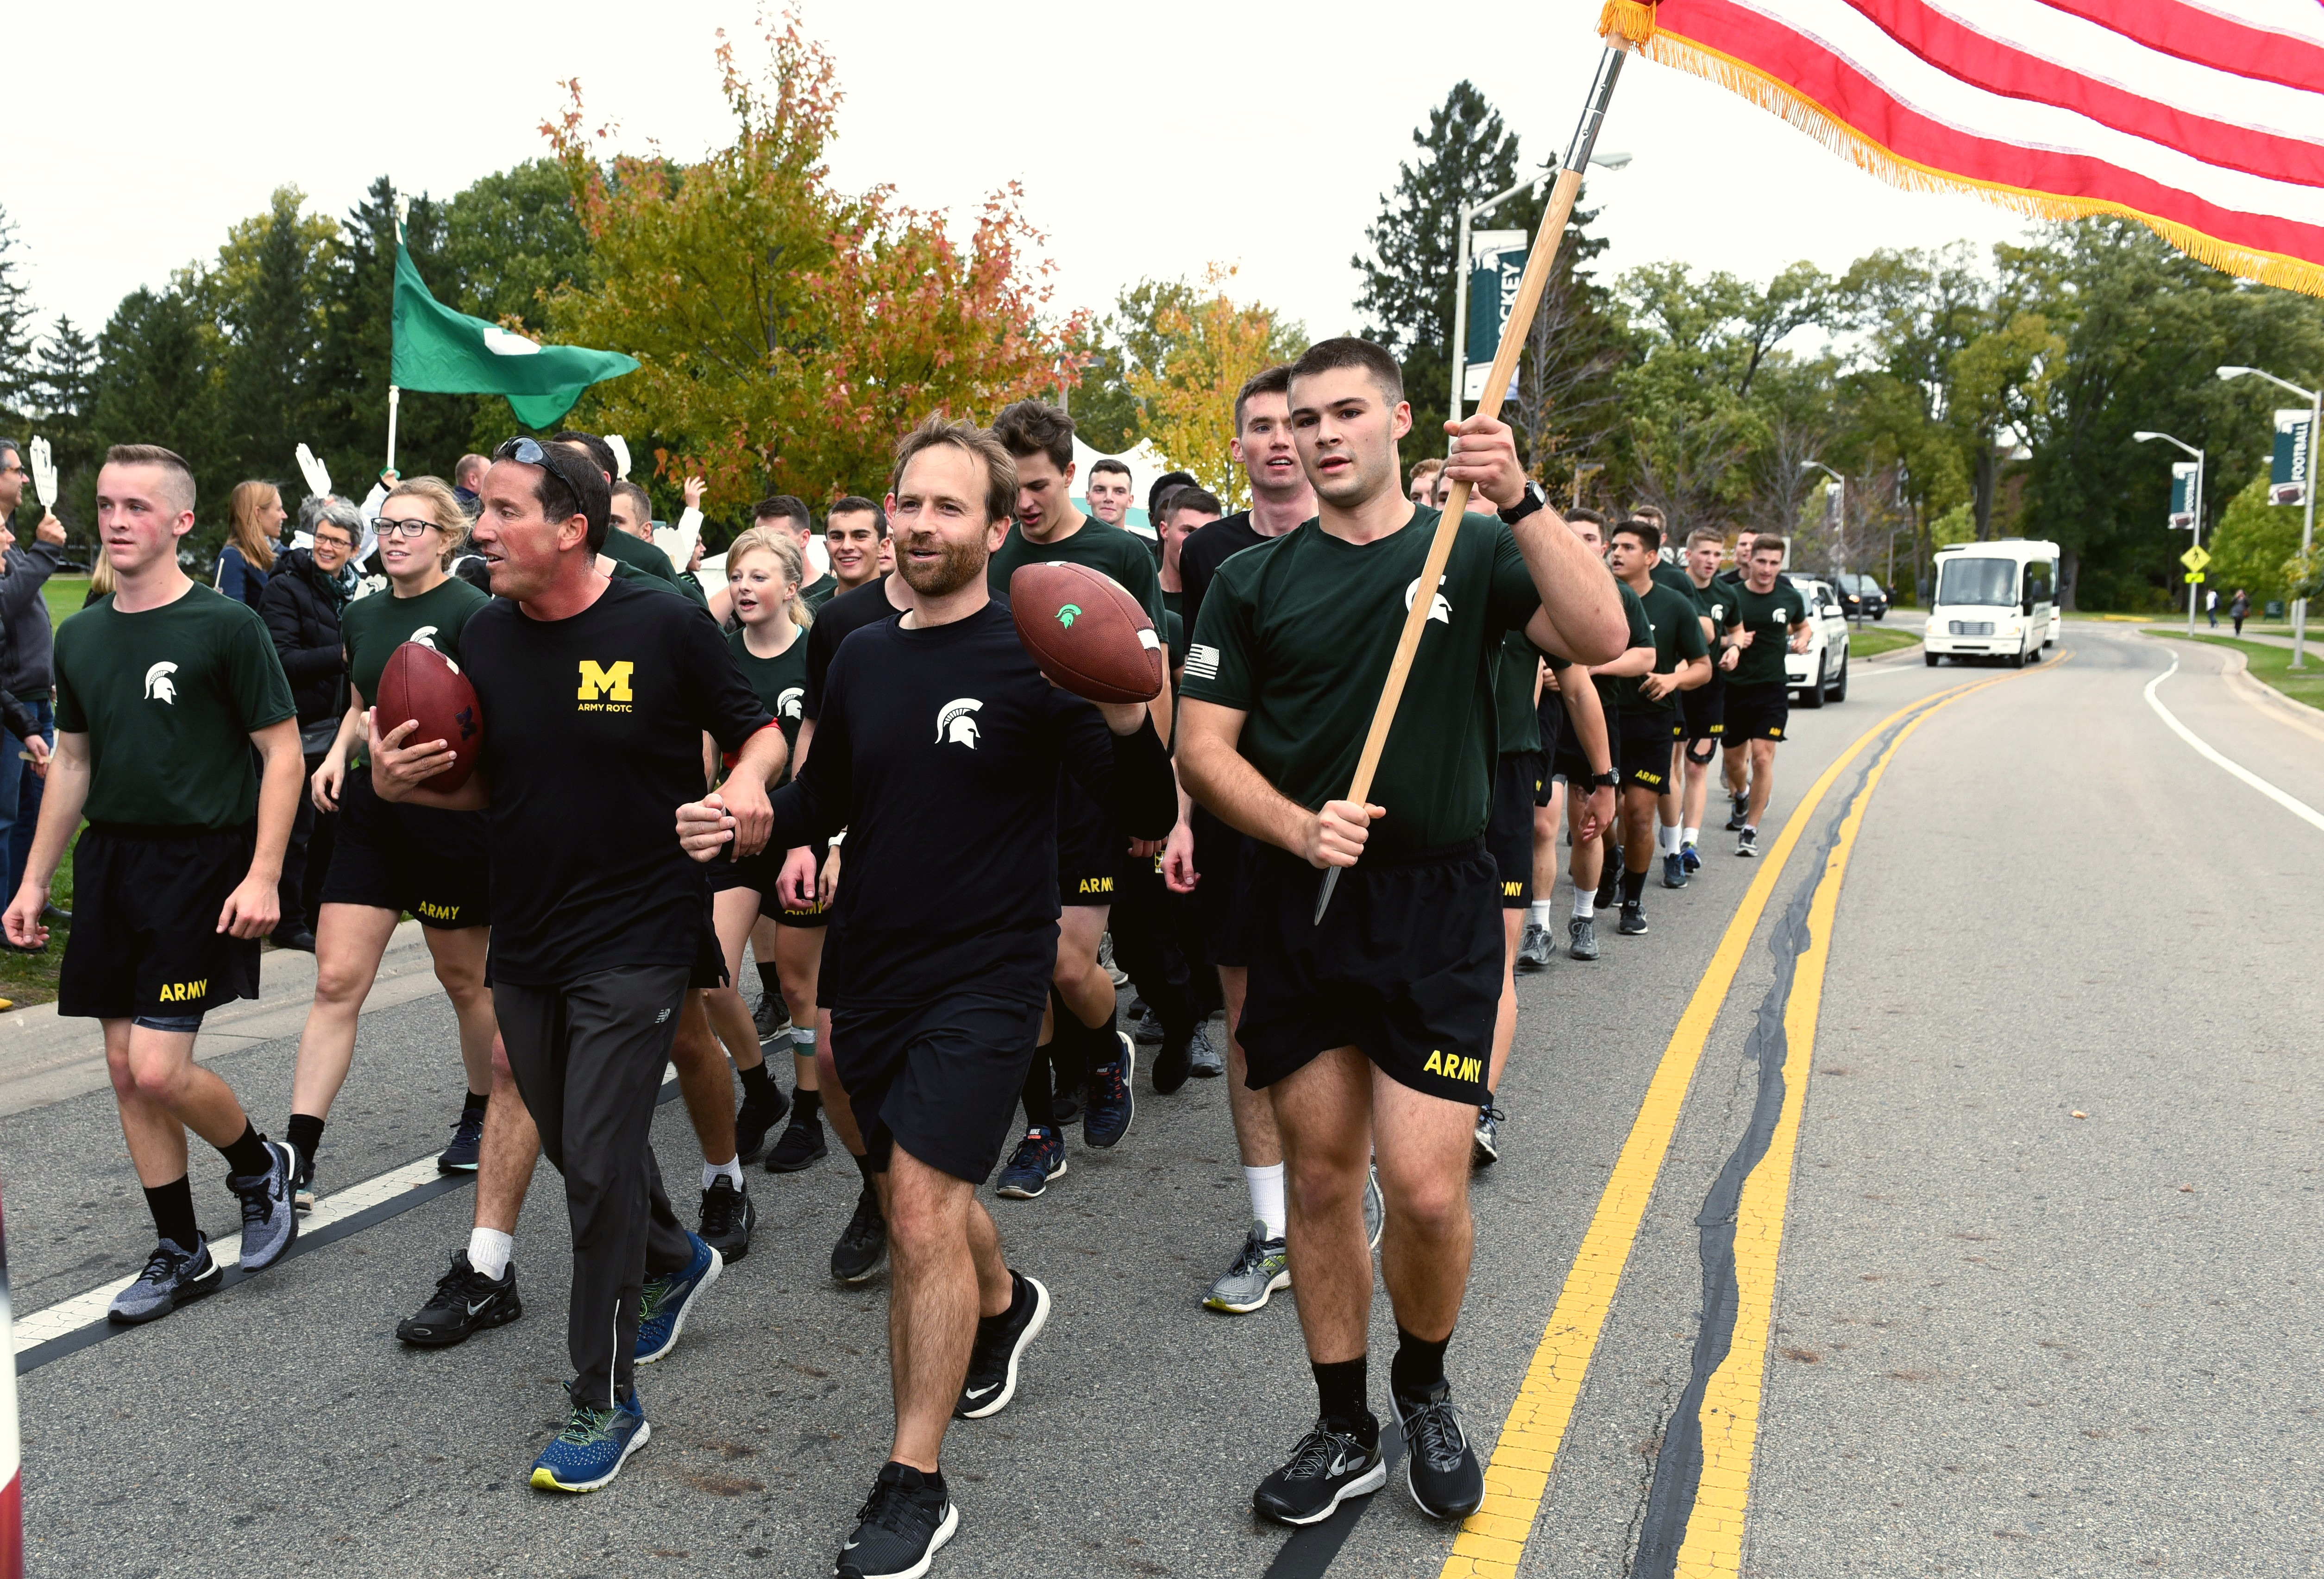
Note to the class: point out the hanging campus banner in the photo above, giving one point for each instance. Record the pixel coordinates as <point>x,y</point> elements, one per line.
<point>1497,260</point>
<point>2182,494</point>
<point>2287,482</point>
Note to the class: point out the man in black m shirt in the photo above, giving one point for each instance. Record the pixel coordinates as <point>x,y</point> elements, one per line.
<point>932,723</point>
<point>595,694</point>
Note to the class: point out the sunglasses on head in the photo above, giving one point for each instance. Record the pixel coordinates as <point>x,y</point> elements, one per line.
<point>554,459</point>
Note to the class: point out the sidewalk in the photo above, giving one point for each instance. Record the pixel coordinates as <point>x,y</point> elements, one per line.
<point>46,1058</point>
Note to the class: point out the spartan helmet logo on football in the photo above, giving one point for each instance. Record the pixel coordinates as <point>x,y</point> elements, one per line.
<point>955,725</point>
<point>426,636</point>
<point>788,704</point>
<point>159,686</point>
<point>1438,609</point>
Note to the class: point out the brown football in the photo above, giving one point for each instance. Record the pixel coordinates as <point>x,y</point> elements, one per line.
<point>419,682</point>
<point>1087,633</point>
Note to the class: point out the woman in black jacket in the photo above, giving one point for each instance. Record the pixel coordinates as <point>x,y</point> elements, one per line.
<point>301,605</point>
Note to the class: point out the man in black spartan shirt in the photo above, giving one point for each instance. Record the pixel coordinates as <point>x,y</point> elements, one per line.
<point>932,723</point>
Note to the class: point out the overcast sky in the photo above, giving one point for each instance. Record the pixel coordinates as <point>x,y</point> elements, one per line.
<point>136,133</point>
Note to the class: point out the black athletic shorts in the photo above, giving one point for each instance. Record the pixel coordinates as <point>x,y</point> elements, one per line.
<point>144,940</point>
<point>1090,850</point>
<point>758,874</point>
<point>1757,713</point>
<point>1406,966</point>
<point>940,1078</point>
<point>1552,713</point>
<point>1646,742</point>
<point>1703,710</point>
<point>1518,777</point>
<point>1572,767</point>
<point>1223,859</point>
<point>433,863</point>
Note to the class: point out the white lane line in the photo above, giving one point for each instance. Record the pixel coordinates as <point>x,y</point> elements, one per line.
<point>2291,804</point>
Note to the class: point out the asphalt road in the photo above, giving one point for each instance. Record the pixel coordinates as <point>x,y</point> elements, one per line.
<point>2006,1340</point>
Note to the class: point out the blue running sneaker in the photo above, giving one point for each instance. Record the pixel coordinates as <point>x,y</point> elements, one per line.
<point>270,1224</point>
<point>173,1277</point>
<point>1039,1158</point>
<point>592,1448</point>
<point>467,1143</point>
<point>1111,1102</point>
<point>1688,859</point>
<point>668,1301</point>
<point>1674,871</point>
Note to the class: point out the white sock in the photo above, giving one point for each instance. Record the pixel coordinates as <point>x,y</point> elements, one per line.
<point>1751,827</point>
<point>802,1041</point>
<point>1585,903</point>
<point>1666,836</point>
<point>730,1170</point>
<point>1267,1198</point>
<point>1537,913</point>
<point>1686,836</point>
<point>488,1250</point>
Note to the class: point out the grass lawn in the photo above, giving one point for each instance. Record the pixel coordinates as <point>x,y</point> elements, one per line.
<point>1874,639</point>
<point>64,594</point>
<point>2272,666</point>
<point>32,978</point>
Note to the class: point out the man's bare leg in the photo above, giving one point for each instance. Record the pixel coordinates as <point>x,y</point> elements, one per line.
<point>1421,1143</point>
<point>704,1082</point>
<point>1323,1112</point>
<point>948,1272</point>
<point>1763,781</point>
<point>1504,1019</point>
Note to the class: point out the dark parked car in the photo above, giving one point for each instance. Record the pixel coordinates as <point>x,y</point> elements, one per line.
<point>1860,597</point>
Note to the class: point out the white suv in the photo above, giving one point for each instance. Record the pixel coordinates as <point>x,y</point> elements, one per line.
<point>1820,673</point>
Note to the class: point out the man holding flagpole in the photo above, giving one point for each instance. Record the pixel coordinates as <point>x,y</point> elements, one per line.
<point>1371,1027</point>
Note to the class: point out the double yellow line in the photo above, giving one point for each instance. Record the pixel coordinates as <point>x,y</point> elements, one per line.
<point>1493,1539</point>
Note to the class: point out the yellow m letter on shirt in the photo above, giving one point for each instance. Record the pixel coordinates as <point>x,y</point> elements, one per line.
<point>611,682</point>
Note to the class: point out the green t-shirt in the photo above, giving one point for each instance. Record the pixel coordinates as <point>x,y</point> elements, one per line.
<point>1770,616</point>
<point>169,698</point>
<point>1174,615</point>
<point>1299,633</point>
<point>373,627</point>
<point>819,591</point>
<point>1103,548</point>
<point>1516,720</point>
<point>780,682</point>
<point>1666,574</point>
<point>636,559</point>
<point>1678,639</point>
<point>1620,693</point>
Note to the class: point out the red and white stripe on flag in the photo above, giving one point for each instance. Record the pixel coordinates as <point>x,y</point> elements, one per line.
<point>2207,125</point>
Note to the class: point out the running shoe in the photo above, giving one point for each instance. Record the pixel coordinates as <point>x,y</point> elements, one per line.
<point>1261,1266</point>
<point>1148,1029</point>
<point>1066,1106</point>
<point>1609,881</point>
<point>668,1301</point>
<point>302,1185</point>
<point>770,1019</point>
<point>1326,1468</point>
<point>753,1119</point>
<point>1633,923</point>
<point>1673,870</point>
<point>1039,1158</point>
<point>173,1276</point>
<point>727,1218</point>
<point>268,1223</point>
<point>1001,1343</point>
<point>1173,1064</point>
<point>801,1145</point>
<point>1486,1150</point>
<point>1375,1210</point>
<point>1105,962</point>
<point>593,1447</point>
<point>899,1527</point>
<point>1535,949</point>
<point>1689,859</point>
<point>467,1143</point>
<point>1439,1467</point>
<point>1746,842</point>
<point>1582,938</point>
<point>465,1303</point>
<point>1112,1103</point>
<point>1738,806</point>
<point>863,1242</point>
<point>1205,1061</point>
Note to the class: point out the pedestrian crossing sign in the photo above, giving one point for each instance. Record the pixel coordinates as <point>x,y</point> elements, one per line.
<point>2195,559</point>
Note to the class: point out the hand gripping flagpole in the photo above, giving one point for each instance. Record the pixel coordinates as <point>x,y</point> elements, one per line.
<point>1539,265</point>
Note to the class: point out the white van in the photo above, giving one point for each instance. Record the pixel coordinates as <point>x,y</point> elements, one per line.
<point>1994,600</point>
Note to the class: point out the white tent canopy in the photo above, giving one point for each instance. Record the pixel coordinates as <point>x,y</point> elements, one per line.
<point>1145,462</point>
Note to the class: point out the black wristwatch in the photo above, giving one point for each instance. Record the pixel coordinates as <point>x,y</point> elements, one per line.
<point>1608,779</point>
<point>1534,500</point>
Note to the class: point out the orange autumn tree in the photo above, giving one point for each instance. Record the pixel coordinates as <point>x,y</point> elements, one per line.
<point>786,332</point>
<point>1194,353</point>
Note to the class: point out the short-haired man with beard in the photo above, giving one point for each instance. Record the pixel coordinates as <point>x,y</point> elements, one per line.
<point>932,722</point>
<point>1372,1029</point>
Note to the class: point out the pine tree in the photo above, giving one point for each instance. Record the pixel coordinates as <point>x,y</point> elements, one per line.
<point>154,384</point>
<point>64,393</point>
<point>269,311</point>
<point>15,327</point>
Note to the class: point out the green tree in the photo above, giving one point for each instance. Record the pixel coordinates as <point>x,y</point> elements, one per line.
<point>156,385</point>
<point>510,240</point>
<point>16,326</point>
<point>64,397</point>
<point>2254,540</point>
<point>265,295</point>
<point>1564,403</point>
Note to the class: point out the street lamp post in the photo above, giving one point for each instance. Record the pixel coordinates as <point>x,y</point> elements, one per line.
<point>1461,271</point>
<point>2315,398</point>
<point>1842,482</point>
<point>2143,436</point>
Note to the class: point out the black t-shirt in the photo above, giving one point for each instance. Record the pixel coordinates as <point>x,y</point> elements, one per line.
<point>850,612</point>
<point>1206,549</point>
<point>593,739</point>
<point>939,751</point>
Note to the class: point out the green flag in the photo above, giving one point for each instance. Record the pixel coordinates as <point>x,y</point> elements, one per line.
<point>450,352</point>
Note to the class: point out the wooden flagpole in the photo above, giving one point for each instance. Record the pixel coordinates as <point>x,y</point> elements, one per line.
<point>1539,265</point>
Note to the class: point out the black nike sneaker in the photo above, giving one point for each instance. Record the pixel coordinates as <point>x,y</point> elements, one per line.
<point>863,1242</point>
<point>1439,1467</point>
<point>466,1302</point>
<point>1001,1343</point>
<point>899,1527</point>
<point>1326,1468</point>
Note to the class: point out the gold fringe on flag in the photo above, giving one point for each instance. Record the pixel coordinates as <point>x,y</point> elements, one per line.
<point>1780,99</point>
<point>1626,21</point>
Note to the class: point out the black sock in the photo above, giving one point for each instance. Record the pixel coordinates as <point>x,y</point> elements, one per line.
<point>248,1155</point>
<point>1341,1388</point>
<point>863,1167</point>
<point>1418,1366</point>
<point>905,1475</point>
<point>476,1102</point>
<point>759,1086</point>
<point>1634,887</point>
<point>172,1206</point>
<point>305,1134</point>
<point>1040,1106</point>
<point>770,988</point>
<point>806,1106</point>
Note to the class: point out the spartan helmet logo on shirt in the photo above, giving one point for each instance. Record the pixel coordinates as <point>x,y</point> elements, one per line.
<point>426,636</point>
<point>788,704</point>
<point>1438,609</point>
<point>159,686</point>
<point>954,724</point>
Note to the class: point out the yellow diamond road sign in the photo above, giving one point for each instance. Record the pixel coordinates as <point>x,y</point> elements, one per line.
<point>2195,559</point>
